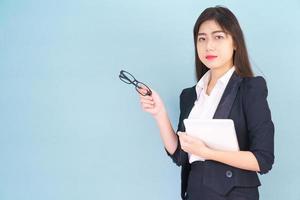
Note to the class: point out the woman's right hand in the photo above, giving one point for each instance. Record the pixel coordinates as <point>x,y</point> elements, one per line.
<point>152,104</point>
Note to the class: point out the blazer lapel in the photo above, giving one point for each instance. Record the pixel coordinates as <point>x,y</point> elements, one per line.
<point>228,97</point>
<point>226,102</point>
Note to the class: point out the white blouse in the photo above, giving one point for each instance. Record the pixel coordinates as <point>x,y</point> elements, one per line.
<point>205,105</point>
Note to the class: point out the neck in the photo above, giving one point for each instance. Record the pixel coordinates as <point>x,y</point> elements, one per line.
<point>218,72</point>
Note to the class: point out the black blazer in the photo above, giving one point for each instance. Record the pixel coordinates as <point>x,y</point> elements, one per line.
<point>245,102</point>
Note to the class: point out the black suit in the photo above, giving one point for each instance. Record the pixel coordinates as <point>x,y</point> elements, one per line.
<point>243,101</point>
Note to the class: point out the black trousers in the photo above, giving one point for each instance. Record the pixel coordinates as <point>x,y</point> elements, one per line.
<point>197,191</point>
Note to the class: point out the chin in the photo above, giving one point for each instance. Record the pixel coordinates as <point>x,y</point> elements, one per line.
<point>210,66</point>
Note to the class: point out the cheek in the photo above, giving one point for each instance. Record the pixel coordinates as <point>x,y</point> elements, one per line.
<point>228,54</point>
<point>201,52</point>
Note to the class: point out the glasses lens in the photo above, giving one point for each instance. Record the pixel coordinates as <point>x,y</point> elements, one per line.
<point>126,77</point>
<point>143,86</point>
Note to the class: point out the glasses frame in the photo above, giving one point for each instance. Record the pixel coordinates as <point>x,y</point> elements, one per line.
<point>135,82</point>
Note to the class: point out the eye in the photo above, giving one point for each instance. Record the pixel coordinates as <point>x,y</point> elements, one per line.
<point>218,37</point>
<point>200,39</point>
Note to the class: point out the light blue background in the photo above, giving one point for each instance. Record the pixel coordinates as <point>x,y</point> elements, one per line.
<point>70,129</point>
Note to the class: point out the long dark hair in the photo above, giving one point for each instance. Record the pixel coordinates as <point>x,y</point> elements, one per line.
<point>229,23</point>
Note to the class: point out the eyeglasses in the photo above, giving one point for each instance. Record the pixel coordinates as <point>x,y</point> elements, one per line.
<point>128,78</point>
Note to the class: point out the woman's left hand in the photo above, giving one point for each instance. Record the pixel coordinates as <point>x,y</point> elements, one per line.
<point>193,145</point>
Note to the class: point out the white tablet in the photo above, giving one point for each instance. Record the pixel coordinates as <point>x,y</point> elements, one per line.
<point>218,134</point>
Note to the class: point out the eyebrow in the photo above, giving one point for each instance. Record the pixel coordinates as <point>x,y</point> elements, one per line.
<point>219,31</point>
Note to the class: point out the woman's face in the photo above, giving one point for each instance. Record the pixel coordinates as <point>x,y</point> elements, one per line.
<point>215,47</point>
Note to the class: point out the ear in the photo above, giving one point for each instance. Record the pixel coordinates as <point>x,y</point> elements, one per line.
<point>234,47</point>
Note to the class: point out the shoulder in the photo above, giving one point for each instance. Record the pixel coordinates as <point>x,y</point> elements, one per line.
<point>188,91</point>
<point>254,87</point>
<point>254,82</point>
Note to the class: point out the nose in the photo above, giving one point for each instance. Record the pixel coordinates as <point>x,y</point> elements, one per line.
<point>210,45</point>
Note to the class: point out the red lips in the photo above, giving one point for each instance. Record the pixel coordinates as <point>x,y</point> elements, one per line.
<point>210,57</point>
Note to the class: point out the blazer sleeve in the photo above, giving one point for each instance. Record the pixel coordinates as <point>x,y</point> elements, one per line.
<point>259,123</point>
<point>177,156</point>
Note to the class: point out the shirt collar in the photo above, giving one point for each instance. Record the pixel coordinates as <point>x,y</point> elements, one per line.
<point>223,80</point>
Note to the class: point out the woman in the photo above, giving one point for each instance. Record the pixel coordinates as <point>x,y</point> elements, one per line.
<point>226,89</point>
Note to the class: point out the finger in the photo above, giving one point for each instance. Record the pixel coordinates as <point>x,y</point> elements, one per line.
<point>186,138</point>
<point>146,101</point>
<point>180,134</point>
<point>185,147</point>
<point>183,136</point>
<point>146,88</point>
<point>141,86</point>
<point>148,109</point>
<point>146,97</point>
<point>183,142</point>
<point>143,90</point>
<point>147,105</point>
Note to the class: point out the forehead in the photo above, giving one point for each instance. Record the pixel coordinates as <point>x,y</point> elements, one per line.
<point>209,27</point>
